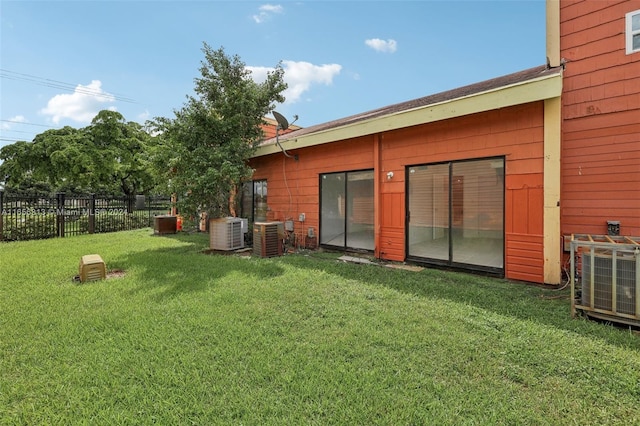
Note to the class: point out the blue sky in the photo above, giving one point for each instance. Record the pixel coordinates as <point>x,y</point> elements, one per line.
<point>63,61</point>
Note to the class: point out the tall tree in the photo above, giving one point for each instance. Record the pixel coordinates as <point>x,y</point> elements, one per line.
<point>206,147</point>
<point>52,158</point>
<point>110,155</point>
<point>123,153</point>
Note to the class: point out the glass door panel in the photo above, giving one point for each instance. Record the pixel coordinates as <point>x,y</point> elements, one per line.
<point>360,210</point>
<point>332,213</point>
<point>478,235</point>
<point>260,201</point>
<point>428,234</point>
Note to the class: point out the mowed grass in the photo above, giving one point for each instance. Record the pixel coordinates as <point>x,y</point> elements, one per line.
<point>192,338</point>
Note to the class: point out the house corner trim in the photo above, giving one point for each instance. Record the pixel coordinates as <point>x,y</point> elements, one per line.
<point>551,220</point>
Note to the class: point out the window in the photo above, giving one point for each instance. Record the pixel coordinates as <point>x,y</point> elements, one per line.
<point>633,32</point>
<point>254,201</point>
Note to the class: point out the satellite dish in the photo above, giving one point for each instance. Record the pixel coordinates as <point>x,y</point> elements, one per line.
<point>282,122</point>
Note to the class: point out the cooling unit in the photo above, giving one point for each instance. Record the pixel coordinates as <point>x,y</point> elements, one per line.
<point>226,233</point>
<point>267,238</point>
<point>607,271</point>
<point>605,277</point>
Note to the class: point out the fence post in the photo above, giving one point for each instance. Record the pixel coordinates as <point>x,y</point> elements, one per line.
<point>92,213</point>
<point>129,201</point>
<point>1,215</point>
<point>60,214</point>
<point>148,203</point>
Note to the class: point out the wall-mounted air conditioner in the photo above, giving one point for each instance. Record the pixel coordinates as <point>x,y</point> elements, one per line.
<point>226,233</point>
<point>267,238</point>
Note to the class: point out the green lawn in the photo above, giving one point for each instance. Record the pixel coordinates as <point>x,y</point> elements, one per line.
<point>190,338</point>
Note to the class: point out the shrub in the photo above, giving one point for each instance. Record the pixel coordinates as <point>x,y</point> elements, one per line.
<point>120,222</point>
<point>29,227</point>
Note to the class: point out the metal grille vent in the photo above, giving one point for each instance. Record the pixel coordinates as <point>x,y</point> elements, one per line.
<point>603,279</point>
<point>267,238</point>
<point>226,234</point>
<point>606,271</point>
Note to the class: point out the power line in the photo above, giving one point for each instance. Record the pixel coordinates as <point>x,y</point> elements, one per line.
<point>14,131</point>
<point>8,133</point>
<point>12,75</point>
<point>11,140</point>
<point>27,124</point>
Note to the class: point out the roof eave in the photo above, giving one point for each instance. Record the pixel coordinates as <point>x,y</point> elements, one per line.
<point>533,90</point>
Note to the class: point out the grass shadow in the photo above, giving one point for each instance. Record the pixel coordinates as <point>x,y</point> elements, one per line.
<point>171,271</point>
<point>518,300</point>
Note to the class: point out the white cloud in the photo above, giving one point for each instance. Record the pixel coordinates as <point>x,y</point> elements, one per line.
<point>6,125</point>
<point>266,11</point>
<point>81,105</point>
<point>387,46</point>
<point>259,74</point>
<point>300,76</point>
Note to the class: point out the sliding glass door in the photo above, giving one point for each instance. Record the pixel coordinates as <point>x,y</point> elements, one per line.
<point>456,213</point>
<point>346,210</point>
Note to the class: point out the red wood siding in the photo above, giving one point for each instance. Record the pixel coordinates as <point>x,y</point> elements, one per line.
<point>392,226</point>
<point>601,119</point>
<point>293,186</point>
<point>525,254</point>
<point>515,133</point>
<point>524,227</point>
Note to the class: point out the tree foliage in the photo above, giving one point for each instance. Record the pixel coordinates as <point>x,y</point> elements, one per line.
<point>205,148</point>
<point>110,155</point>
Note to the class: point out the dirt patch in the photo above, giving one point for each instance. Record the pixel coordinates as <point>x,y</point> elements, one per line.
<point>116,273</point>
<point>405,267</point>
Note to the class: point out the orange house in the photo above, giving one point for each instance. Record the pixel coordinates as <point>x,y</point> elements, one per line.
<point>481,178</point>
<point>600,42</point>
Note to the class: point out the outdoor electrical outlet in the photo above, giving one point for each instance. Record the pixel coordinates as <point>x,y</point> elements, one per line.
<point>301,218</point>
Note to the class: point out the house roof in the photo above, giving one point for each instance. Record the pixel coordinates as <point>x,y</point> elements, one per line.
<point>529,85</point>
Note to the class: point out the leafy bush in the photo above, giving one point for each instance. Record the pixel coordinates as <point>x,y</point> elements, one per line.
<point>120,222</point>
<point>42,226</point>
<point>29,227</point>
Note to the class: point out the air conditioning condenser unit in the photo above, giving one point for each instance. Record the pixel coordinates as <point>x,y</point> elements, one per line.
<point>226,233</point>
<point>605,277</point>
<point>267,238</point>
